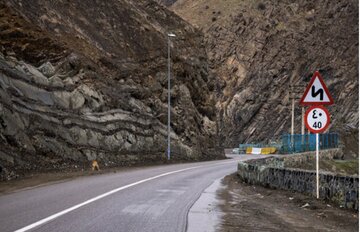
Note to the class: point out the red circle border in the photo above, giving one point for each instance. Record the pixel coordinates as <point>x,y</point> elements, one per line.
<point>327,114</point>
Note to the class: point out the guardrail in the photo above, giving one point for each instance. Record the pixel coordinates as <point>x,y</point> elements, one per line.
<point>296,143</point>
<point>300,143</point>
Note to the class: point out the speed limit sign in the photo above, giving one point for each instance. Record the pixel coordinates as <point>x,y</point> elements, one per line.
<point>317,119</point>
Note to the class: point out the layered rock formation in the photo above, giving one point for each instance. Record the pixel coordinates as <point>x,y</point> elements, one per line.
<point>259,48</point>
<point>166,2</point>
<point>84,80</point>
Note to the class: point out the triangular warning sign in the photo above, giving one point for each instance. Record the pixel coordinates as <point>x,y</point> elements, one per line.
<point>316,92</point>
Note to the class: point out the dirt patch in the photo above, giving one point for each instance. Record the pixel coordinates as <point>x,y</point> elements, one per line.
<point>254,208</point>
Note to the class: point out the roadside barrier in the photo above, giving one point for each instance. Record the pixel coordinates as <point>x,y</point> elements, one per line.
<point>268,150</point>
<point>307,142</point>
<point>258,151</point>
<point>242,147</point>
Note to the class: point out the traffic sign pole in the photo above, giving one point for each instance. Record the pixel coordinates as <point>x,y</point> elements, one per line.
<point>317,120</point>
<point>317,165</point>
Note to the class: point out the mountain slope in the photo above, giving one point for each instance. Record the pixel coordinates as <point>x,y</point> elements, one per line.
<point>84,80</point>
<point>259,48</point>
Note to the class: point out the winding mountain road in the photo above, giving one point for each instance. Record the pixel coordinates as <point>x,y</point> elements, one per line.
<point>148,199</point>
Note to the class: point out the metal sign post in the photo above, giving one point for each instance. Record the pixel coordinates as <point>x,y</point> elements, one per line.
<point>317,119</point>
<point>317,165</point>
<point>169,97</point>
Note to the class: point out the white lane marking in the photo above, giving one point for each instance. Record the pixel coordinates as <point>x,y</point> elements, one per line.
<point>68,210</point>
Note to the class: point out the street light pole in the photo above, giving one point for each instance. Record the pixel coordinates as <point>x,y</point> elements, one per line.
<point>169,88</point>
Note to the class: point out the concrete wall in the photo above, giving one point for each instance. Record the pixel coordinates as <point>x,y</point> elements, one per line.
<point>273,172</point>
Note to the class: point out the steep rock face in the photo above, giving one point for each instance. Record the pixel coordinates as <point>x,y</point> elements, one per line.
<point>84,80</point>
<point>259,48</point>
<point>166,2</point>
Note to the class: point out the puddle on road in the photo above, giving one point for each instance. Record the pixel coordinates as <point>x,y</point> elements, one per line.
<point>205,215</point>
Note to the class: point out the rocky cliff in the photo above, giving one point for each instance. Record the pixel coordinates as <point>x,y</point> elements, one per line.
<point>166,2</point>
<point>258,49</point>
<point>83,80</point>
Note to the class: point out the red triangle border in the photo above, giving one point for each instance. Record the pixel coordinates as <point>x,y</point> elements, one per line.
<point>316,74</point>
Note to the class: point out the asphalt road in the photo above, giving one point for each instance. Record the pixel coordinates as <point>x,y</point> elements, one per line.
<point>141,199</point>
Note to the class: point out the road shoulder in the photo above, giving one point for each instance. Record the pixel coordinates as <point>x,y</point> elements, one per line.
<point>255,208</point>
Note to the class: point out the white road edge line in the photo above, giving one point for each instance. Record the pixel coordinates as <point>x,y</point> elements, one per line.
<point>68,210</point>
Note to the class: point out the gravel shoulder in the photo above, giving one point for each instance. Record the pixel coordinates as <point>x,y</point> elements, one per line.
<point>36,179</point>
<point>254,208</point>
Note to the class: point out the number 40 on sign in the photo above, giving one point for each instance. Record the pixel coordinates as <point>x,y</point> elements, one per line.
<point>317,119</point>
